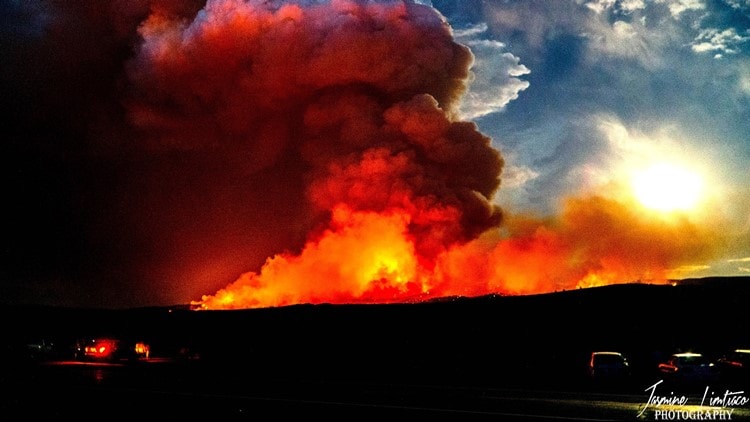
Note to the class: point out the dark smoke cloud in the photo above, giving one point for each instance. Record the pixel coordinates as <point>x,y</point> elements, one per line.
<point>91,218</point>
<point>193,141</point>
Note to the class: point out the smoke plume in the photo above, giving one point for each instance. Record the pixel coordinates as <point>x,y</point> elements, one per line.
<point>356,97</point>
<point>291,151</point>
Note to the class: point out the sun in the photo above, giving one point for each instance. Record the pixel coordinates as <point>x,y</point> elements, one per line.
<point>667,187</point>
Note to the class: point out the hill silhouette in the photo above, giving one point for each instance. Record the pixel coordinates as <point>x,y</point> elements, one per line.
<point>487,339</point>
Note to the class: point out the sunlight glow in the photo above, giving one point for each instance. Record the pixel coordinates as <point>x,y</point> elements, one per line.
<point>666,187</point>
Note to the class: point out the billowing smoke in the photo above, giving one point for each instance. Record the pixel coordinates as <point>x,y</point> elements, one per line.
<point>594,241</point>
<point>356,100</point>
<point>323,137</point>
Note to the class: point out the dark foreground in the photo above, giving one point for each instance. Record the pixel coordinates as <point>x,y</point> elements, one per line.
<point>190,392</point>
<point>485,358</point>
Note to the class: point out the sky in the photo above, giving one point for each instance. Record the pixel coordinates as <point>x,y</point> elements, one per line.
<point>157,152</point>
<point>603,88</point>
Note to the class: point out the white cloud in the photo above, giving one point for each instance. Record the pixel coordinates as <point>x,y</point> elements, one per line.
<point>599,6</point>
<point>471,31</point>
<point>677,7</point>
<point>624,39</point>
<point>632,5</point>
<point>495,74</point>
<point>738,4</point>
<point>623,29</point>
<point>517,176</point>
<point>626,6</point>
<point>712,40</point>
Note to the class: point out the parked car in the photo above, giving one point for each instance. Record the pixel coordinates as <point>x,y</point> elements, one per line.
<point>40,349</point>
<point>608,366</point>
<point>110,349</point>
<point>688,368</point>
<point>735,366</point>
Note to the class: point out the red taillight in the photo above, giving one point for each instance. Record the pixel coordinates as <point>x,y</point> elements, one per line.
<point>100,349</point>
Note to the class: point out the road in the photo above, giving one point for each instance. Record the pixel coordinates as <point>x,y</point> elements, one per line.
<point>171,390</point>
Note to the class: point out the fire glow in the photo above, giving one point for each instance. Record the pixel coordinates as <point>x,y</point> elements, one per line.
<point>361,99</point>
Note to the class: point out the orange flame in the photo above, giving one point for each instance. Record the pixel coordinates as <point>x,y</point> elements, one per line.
<point>594,242</point>
<point>368,257</point>
<point>363,257</point>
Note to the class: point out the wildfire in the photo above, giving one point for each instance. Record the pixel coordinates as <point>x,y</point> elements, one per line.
<point>370,258</point>
<point>351,107</point>
<point>362,257</point>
